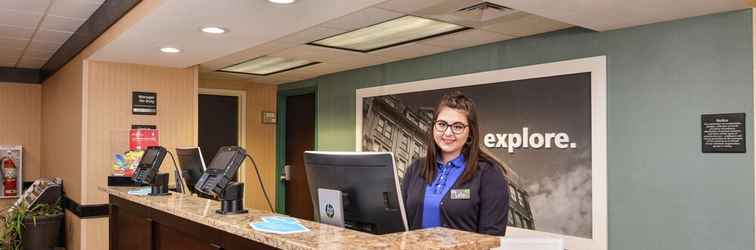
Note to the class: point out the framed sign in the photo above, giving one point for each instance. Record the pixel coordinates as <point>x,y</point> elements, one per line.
<point>144,103</point>
<point>723,133</point>
<point>545,124</point>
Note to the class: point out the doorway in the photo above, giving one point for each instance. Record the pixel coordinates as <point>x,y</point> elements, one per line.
<point>299,137</point>
<point>221,122</point>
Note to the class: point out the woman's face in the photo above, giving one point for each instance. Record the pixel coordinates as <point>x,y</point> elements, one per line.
<point>450,130</point>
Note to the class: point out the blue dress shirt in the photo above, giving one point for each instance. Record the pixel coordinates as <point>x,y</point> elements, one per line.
<point>446,176</point>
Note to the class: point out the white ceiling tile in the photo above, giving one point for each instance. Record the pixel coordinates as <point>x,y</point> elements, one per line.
<point>73,8</point>
<point>52,36</point>
<point>410,50</point>
<point>16,32</point>
<point>39,54</point>
<point>31,63</point>
<point>449,11</point>
<point>20,19</point>
<point>467,38</point>
<point>310,35</point>
<point>38,6</point>
<point>524,25</point>
<point>61,23</point>
<point>40,45</point>
<point>13,43</point>
<point>11,52</point>
<point>361,19</point>
<point>408,6</point>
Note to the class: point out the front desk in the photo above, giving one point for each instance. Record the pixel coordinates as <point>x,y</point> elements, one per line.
<point>185,222</point>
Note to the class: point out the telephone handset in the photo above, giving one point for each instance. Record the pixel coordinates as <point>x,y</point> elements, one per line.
<point>149,165</point>
<point>221,170</point>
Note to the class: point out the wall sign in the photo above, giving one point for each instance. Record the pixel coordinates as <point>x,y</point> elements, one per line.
<point>144,103</point>
<point>723,133</point>
<point>268,117</point>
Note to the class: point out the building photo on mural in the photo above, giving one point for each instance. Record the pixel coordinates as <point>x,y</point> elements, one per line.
<point>538,130</point>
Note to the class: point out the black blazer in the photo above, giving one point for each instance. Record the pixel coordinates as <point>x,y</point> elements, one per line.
<point>485,212</point>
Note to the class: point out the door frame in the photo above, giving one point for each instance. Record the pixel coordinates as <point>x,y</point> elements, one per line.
<point>242,117</point>
<point>283,94</point>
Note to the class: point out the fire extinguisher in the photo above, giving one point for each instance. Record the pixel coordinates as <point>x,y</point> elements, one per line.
<point>9,176</point>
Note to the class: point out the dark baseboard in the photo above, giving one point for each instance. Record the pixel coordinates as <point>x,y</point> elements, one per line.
<point>86,211</point>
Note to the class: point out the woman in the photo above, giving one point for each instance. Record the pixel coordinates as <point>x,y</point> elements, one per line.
<point>456,185</point>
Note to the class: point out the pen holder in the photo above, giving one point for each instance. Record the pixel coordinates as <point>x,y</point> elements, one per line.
<point>159,185</point>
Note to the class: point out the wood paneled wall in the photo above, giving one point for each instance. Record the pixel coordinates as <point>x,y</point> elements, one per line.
<point>21,121</point>
<point>61,128</point>
<point>260,141</point>
<point>109,87</point>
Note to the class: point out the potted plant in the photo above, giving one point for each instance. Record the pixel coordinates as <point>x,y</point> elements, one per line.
<point>31,228</point>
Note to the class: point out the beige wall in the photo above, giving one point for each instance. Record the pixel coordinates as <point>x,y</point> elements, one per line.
<point>260,141</point>
<point>108,118</point>
<point>21,121</point>
<point>109,88</point>
<point>61,128</point>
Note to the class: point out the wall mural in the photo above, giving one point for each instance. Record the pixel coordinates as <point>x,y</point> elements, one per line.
<point>538,129</point>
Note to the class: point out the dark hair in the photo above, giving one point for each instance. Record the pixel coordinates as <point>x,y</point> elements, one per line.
<point>471,150</point>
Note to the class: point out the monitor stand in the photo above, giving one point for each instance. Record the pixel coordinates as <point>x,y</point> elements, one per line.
<point>231,199</point>
<point>159,185</point>
<point>331,206</point>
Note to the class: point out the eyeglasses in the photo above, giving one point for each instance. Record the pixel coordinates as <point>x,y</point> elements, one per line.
<point>456,128</point>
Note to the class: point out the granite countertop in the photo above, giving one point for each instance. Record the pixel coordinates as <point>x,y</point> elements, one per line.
<point>320,236</point>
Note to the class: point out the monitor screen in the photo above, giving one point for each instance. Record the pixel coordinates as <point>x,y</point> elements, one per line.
<point>372,195</point>
<point>192,165</point>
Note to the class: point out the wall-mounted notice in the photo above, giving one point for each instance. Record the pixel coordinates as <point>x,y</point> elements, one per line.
<point>723,133</point>
<point>143,103</point>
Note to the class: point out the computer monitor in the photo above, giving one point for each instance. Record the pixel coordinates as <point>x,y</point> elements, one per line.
<point>192,165</point>
<point>369,187</point>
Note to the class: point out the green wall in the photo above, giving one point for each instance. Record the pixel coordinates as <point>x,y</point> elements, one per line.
<point>663,192</point>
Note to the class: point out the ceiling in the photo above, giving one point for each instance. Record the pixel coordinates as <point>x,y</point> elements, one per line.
<point>177,23</point>
<point>32,30</point>
<point>603,15</point>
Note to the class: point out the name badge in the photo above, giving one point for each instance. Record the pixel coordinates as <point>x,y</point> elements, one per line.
<point>460,194</point>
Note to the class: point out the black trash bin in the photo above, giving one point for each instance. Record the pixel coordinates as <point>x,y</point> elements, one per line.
<point>42,235</point>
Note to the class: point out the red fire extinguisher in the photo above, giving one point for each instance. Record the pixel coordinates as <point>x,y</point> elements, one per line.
<point>9,176</point>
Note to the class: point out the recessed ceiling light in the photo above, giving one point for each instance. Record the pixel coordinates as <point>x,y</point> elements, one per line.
<point>281,1</point>
<point>390,33</point>
<point>213,30</point>
<point>267,65</point>
<point>170,50</point>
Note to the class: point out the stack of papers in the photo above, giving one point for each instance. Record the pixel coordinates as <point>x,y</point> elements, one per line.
<point>278,225</point>
<point>140,191</point>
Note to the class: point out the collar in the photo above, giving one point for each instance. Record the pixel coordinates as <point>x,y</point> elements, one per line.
<point>456,163</point>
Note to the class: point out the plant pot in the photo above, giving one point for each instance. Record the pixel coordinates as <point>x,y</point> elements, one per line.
<point>42,235</point>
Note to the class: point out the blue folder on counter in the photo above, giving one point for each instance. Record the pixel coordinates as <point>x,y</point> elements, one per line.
<point>140,191</point>
<point>279,225</point>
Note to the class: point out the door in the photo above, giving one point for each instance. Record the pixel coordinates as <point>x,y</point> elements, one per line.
<point>300,137</point>
<point>218,124</point>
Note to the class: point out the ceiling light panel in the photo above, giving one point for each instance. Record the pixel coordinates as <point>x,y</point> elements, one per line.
<point>390,33</point>
<point>267,65</point>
